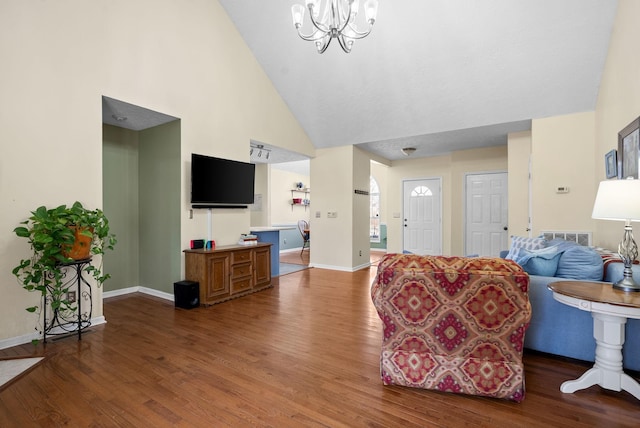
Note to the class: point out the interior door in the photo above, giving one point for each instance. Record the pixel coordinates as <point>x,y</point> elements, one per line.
<point>486,214</point>
<point>422,224</point>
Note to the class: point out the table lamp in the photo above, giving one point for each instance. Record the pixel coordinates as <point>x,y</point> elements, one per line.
<point>620,200</point>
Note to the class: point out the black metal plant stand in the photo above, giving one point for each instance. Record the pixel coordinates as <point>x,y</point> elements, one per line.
<point>65,321</point>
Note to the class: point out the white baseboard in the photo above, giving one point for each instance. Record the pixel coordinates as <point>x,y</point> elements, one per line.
<point>156,293</point>
<point>291,250</point>
<point>341,268</point>
<point>28,338</point>
<point>144,290</point>
<point>120,292</point>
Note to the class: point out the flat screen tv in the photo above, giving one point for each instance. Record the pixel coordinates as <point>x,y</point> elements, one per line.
<point>217,182</point>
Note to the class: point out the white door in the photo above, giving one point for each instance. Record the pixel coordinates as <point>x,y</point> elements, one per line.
<point>422,217</point>
<point>486,214</point>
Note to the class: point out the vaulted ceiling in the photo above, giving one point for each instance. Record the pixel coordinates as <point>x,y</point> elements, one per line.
<point>438,75</point>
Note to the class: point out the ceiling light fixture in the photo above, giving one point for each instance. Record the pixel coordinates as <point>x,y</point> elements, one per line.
<point>118,117</point>
<point>259,148</point>
<point>408,151</point>
<point>337,21</point>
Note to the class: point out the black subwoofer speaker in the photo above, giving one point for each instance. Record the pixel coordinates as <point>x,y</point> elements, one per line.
<point>186,294</point>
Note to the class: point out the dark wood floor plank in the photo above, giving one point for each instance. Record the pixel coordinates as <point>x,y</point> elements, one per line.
<point>304,353</point>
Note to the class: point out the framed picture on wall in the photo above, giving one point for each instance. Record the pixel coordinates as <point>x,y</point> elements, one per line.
<point>629,150</point>
<point>611,163</point>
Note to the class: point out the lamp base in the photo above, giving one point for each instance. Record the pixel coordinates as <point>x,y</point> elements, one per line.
<point>627,284</point>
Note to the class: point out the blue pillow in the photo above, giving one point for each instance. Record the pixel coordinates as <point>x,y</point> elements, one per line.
<point>578,262</point>
<point>542,262</point>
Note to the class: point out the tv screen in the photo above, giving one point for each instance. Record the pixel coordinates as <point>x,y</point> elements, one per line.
<point>221,182</point>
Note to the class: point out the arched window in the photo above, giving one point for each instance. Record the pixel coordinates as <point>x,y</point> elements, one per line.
<point>374,210</point>
<point>421,191</point>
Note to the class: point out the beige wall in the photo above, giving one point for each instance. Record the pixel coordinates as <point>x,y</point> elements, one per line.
<point>360,214</point>
<point>562,155</point>
<point>260,214</point>
<point>188,62</point>
<point>519,152</point>
<point>451,169</point>
<point>491,159</point>
<point>336,242</point>
<point>618,104</point>
<point>282,212</point>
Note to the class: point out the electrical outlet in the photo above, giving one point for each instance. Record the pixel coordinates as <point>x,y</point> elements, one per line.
<point>71,296</point>
<point>332,214</point>
<point>360,253</point>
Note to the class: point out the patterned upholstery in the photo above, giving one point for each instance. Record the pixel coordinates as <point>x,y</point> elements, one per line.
<point>453,324</point>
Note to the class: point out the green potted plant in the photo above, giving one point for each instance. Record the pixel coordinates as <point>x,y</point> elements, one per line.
<point>52,233</point>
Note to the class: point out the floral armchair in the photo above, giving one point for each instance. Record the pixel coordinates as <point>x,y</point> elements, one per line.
<point>453,324</point>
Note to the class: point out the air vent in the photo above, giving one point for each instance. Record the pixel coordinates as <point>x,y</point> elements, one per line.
<point>582,238</point>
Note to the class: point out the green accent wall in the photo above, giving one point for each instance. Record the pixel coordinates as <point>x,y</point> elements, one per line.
<point>141,197</point>
<point>120,205</point>
<point>159,211</point>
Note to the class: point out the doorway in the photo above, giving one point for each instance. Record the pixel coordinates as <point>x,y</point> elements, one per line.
<point>486,222</point>
<point>422,226</point>
<point>141,180</point>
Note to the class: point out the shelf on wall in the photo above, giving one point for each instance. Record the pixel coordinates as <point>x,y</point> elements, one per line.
<point>302,202</point>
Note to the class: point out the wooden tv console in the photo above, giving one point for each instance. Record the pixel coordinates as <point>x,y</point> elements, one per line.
<point>229,271</point>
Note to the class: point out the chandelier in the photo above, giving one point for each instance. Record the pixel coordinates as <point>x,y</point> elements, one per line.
<point>334,19</point>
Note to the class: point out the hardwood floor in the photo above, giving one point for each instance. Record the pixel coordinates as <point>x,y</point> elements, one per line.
<point>295,257</point>
<point>302,258</point>
<point>303,353</point>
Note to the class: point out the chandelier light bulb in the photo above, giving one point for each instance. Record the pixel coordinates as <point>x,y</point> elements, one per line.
<point>297,13</point>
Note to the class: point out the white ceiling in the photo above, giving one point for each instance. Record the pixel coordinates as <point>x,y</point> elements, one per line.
<point>130,116</point>
<point>439,75</point>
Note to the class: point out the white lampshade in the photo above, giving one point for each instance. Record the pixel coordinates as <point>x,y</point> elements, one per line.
<point>618,200</point>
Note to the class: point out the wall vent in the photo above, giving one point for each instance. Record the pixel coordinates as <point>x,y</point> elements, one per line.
<point>582,238</point>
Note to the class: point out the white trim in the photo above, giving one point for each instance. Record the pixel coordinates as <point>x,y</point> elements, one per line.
<point>291,250</point>
<point>440,180</point>
<point>120,292</point>
<point>156,293</point>
<point>341,268</point>
<point>466,207</point>
<point>28,338</point>
<point>143,290</point>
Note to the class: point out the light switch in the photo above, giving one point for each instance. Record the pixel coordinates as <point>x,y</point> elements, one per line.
<point>332,214</point>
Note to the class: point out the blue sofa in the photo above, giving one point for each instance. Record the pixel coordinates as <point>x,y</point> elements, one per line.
<point>559,329</point>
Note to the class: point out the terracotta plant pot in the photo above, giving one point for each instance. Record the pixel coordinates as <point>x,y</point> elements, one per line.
<point>81,248</point>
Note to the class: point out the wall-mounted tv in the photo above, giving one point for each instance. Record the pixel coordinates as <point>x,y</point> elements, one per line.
<point>224,183</point>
